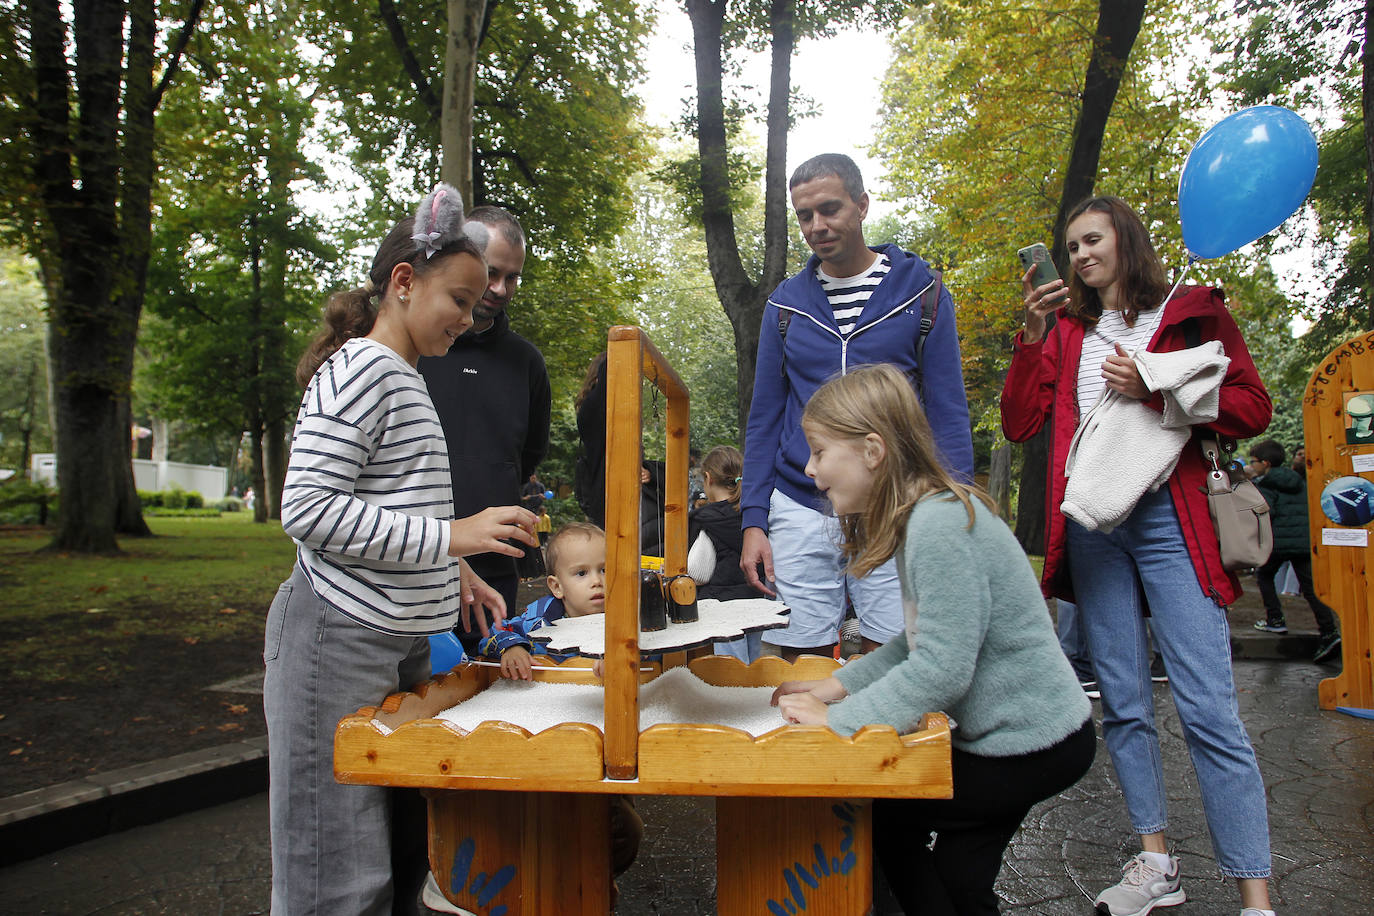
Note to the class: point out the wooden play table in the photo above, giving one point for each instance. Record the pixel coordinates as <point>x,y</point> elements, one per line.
<point>519,823</point>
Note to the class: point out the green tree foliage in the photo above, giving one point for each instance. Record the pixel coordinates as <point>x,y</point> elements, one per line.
<point>744,276</point>
<point>555,142</point>
<point>24,425</point>
<point>235,282</point>
<point>680,313</point>
<point>1307,55</point>
<point>981,108</point>
<point>979,111</point>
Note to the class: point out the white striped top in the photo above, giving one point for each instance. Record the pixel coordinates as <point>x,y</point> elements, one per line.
<point>849,295</point>
<point>368,495</point>
<point>1099,343</point>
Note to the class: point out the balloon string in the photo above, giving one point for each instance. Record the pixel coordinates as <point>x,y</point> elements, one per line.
<point>1192,259</point>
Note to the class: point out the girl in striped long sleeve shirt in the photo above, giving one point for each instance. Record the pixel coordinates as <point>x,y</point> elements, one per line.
<point>378,565</point>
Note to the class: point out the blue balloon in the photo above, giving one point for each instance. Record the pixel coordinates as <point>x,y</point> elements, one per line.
<point>548,494</point>
<point>1246,175</point>
<point>445,651</point>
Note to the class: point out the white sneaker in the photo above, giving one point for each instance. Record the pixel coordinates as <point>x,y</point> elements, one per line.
<point>1142,888</point>
<point>1255,911</point>
<point>434,898</point>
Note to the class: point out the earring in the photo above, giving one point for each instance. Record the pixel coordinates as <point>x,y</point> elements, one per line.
<point>403,297</point>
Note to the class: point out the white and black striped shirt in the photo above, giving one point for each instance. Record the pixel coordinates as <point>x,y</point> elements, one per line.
<point>1100,342</point>
<point>849,295</point>
<point>368,494</point>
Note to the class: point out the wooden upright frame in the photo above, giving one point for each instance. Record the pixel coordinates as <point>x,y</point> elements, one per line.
<point>631,358</point>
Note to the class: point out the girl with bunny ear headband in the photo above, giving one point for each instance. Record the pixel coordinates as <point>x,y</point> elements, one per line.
<point>379,568</point>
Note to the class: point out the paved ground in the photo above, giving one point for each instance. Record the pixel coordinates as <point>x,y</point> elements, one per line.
<point>174,845</point>
<point>1317,766</point>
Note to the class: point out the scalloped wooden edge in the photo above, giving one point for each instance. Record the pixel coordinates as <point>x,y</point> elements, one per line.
<point>802,760</point>
<point>702,758</point>
<point>431,752</point>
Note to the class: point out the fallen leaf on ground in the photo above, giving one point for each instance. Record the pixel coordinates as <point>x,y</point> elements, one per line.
<point>228,610</point>
<point>236,709</point>
<point>231,727</point>
<point>191,640</point>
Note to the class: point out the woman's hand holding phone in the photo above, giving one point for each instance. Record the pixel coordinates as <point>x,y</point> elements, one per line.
<point>1040,301</point>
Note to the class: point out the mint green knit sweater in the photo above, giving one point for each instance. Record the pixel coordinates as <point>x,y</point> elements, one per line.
<point>979,643</point>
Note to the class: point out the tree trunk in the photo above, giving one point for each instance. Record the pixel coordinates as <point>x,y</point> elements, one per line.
<point>160,439</point>
<point>740,296</point>
<point>465,19</point>
<point>258,473</point>
<point>999,479</point>
<point>1367,106</point>
<point>100,229</point>
<point>1118,24</point>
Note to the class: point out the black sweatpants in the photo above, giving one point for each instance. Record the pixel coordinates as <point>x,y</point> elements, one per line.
<point>992,795</point>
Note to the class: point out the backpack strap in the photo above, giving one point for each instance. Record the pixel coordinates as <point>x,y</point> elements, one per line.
<point>930,303</point>
<point>784,319</point>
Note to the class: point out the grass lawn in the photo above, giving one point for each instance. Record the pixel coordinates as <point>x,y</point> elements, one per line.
<point>198,579</point>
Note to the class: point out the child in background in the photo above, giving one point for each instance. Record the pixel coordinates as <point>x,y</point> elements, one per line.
<point>1286,492</point>
<point>978,645</point>
<point>367,500</point>
<point>715,539</point>
<point>577,583</point>
<point>577,558</point>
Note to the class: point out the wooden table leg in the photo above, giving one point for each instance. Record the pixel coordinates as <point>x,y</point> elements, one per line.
<point>522,853</point>
<point>784,856</point>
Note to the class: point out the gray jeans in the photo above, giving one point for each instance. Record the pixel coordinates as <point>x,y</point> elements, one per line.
<point>331,843</point>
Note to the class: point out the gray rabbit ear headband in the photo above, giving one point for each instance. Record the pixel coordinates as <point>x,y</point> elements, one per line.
<point>439,220</point>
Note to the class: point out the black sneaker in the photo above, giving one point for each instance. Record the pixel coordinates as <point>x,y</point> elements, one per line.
<point>1265,626</point>
<point>1329,645</point>
<point>1157,673</point>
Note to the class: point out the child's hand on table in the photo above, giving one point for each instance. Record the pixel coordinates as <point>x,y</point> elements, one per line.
<point>803,709</point>
<point>804,702</point>
<point>515,664</point>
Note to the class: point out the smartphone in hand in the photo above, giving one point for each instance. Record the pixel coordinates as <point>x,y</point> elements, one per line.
<point>1039,256</point>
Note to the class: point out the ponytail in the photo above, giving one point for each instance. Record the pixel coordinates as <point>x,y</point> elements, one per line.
<point>725,465</point>
<point>346,315</point>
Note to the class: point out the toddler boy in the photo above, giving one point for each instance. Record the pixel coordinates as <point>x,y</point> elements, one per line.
<point>577,586</point>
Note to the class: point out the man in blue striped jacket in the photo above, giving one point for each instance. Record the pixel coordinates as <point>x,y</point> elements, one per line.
<point>849,306</point>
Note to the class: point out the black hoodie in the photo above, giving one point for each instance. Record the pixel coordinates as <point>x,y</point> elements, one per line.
<point>491,391</point>
<point>721,523</point>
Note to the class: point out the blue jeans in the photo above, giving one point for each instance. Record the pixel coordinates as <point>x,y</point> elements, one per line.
<point>1191,632</point>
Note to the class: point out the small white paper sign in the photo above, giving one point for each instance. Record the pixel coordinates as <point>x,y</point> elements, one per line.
<point>1362,463</point>
<point>1345,537</point>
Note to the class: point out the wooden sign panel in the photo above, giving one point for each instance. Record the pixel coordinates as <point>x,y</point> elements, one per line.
<point>1338,424</point>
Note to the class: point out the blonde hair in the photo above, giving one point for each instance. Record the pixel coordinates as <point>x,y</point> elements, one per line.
<point>586,529</point>
<point>725,464</point>
<point>879,399</point>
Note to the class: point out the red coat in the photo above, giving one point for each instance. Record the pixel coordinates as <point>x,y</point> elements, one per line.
<point>1042,384</point>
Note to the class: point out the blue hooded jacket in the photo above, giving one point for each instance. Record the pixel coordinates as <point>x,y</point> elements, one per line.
<point>775,452</point>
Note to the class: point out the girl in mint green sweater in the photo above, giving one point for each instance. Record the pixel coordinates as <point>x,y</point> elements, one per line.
<point>978,645</point>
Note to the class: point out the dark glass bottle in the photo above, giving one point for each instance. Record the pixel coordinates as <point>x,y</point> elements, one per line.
<point>653,613</point>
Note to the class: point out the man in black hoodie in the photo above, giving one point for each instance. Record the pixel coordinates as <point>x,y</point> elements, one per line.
<point>491,391</point>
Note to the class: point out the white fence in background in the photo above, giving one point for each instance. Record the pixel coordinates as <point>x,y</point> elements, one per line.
<point>207,480</point>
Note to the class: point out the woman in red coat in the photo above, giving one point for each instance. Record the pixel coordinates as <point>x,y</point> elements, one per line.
<point>1164,556</point>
